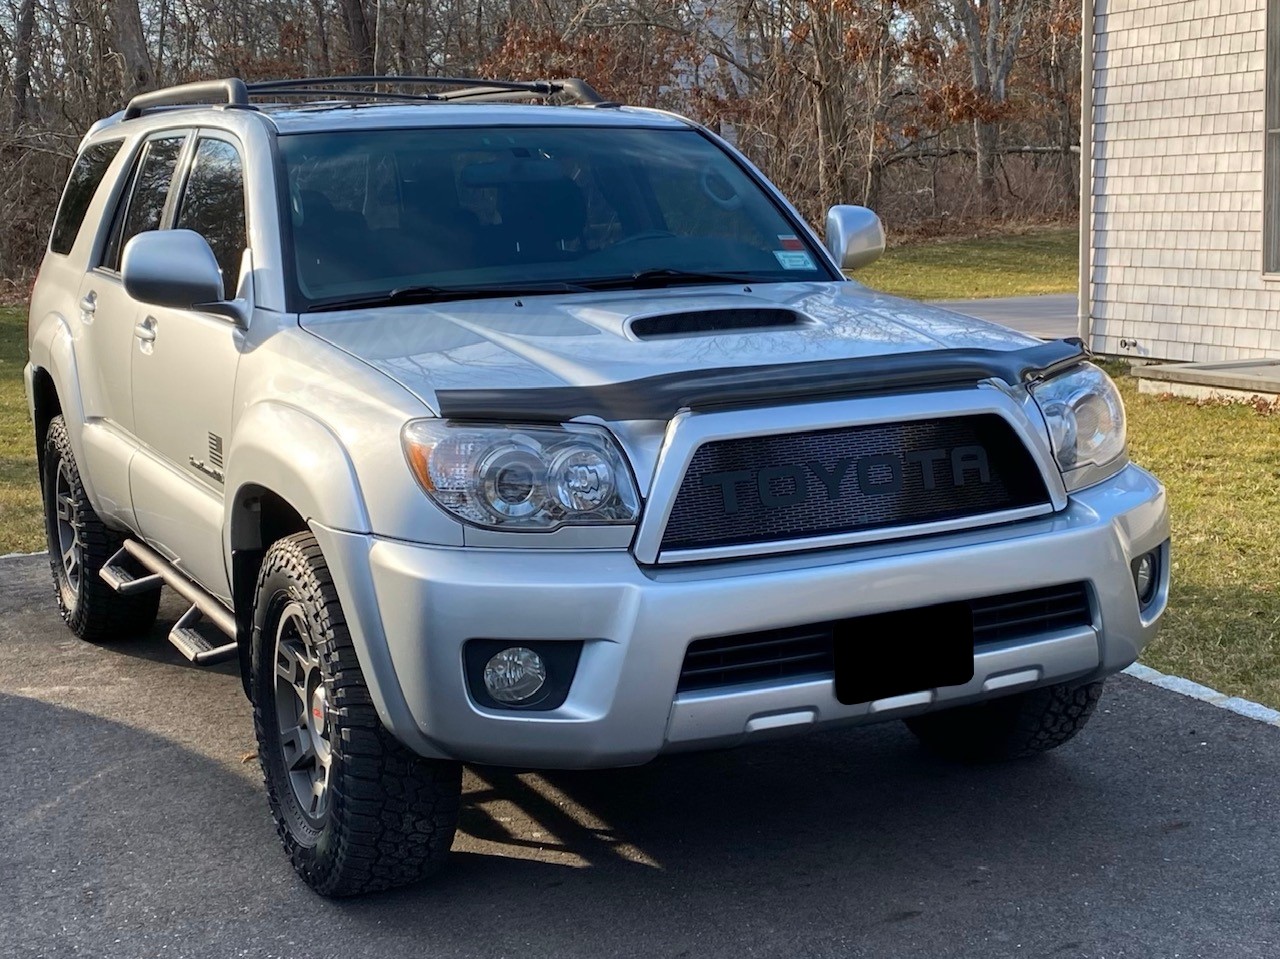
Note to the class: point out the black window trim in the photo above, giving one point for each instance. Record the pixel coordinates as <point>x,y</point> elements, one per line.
<point>178,189</point>
<point>120,210</point>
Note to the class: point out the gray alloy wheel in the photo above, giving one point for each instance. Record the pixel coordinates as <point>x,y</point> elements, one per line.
<point>70,548</point>
<point>302,715</point>
<point>80,543</point>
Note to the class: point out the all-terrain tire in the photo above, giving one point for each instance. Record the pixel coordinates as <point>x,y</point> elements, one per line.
<point>1013,727</point>
<point>388,816</point>
<point>92,609</point>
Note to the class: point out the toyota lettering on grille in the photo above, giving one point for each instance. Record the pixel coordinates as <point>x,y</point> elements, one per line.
<point>879,474</point>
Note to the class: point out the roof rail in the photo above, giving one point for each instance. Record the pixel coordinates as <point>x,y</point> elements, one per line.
<point>473,88</point>
<point>234,92</point>
<point>231,92</point>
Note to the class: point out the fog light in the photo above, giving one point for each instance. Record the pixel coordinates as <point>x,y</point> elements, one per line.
<point>514,675</point>
<point>1145,580</point>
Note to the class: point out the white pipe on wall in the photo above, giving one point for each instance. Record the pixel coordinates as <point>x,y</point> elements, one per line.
<point>1086,171</point>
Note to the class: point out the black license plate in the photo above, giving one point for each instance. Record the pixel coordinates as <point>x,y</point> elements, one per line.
<point>890,654</point>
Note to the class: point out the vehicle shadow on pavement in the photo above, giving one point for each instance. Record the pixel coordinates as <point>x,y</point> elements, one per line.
<point>133,823</point>
<point>746,806</point>
<point>856,836</point>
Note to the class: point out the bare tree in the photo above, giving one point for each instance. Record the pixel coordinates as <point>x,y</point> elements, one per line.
<point>992,33</point>
<point>22,42</point>
<point>358,35</point>
<point>933,111</point>
<point>130,42</point>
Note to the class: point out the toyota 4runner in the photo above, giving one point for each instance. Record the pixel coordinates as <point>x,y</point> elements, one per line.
<point>548,434</point>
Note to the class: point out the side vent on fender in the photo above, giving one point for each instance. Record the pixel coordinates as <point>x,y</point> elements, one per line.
<point>701,322</point>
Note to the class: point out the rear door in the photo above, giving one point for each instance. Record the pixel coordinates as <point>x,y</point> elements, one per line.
<point>183,373</point>
<point>107,318</point>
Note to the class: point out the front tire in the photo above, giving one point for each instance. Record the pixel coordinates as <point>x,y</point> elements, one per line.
<point>355,810</point>
<point>1013,727</point>
<point>79,546</point>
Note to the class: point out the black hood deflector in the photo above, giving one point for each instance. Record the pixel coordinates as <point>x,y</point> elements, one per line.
<point>662,397</point>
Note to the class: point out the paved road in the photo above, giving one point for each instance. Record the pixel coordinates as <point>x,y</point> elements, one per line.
<point>131,825</point>
<point>1051,317</point>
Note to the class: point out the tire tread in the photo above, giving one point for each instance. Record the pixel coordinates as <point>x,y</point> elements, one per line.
<point>1013,727</point>
<point>393,814</point>
<point>99,614</point>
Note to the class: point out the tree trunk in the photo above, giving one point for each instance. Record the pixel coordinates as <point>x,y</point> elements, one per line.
<point>22,62</point>
<point>322,34</point>
<point>358,35</point>
<point>130,43</point>
<point>987,140</point>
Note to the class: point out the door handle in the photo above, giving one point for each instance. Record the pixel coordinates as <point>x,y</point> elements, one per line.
<point>89,303</point>
<point>146,330</point>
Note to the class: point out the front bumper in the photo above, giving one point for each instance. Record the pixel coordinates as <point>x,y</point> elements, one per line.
<point>412,608</point>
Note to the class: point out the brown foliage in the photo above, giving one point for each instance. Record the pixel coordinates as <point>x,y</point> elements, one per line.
<point>873,101</point>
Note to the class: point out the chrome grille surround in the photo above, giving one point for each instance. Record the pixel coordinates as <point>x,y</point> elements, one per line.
<point>690,431</point>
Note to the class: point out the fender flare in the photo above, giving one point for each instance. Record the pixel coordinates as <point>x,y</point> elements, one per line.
<point>52,350</point>
<point>284,449</point>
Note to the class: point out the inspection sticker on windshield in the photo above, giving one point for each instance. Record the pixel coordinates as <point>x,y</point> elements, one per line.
<point>794,259</point>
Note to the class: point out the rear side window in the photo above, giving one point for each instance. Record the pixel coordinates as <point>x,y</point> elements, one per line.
<point>86,176</point>
<point>213,205</point>
<point>143,209</point>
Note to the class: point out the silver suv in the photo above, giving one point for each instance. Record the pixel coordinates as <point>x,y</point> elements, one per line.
<point>548,434</point>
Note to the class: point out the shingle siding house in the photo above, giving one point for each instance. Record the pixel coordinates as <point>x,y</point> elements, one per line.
<point>1182,203</point>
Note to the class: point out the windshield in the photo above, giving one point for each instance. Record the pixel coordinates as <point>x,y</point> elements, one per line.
<point>429,213</point>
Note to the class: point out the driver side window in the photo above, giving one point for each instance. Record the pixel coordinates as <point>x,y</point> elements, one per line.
<point>143,208</point>
<point>213,205</point>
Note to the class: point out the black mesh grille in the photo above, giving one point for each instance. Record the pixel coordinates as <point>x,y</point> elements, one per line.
<point>764,488</point>
<point>779,654</point>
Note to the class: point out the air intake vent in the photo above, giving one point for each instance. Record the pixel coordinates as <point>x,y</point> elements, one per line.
<point>781,655</point>
<point>699,322</point>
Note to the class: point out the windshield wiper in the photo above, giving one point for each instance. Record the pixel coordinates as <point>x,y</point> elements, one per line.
<point>405,295</point>
<point>668,276</point>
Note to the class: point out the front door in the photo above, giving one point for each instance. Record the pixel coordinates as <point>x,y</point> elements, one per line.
<point>183,372</point>
<point>107,318</point>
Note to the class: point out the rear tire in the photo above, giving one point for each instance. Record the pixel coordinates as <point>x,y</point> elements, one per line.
<point>79,546</point>
<point>355,809</point>
<point>1013,727</point>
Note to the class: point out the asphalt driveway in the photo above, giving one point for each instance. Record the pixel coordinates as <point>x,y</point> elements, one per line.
<point>133,823</point>
<point>1051,317</point>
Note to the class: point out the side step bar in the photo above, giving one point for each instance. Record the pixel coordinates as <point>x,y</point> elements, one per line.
<point>185,635</point>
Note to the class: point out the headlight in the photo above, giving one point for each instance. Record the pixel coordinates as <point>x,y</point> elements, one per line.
<point>1085,415</point>
<point>523,478</point>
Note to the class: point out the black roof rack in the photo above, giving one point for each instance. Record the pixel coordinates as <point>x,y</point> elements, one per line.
<point>231,92</point>
<point>235,93</point>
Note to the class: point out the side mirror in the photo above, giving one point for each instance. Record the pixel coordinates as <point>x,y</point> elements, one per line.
<point>855,236</point>
<point>177,269</point>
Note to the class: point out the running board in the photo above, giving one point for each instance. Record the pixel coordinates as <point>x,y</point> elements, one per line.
<point>194,645</point>
<point>185,635</point>
<point>125,581</point>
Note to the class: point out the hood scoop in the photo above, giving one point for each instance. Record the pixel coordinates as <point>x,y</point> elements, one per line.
<point>703,322</point>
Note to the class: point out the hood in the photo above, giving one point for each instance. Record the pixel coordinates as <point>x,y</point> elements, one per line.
<point>594,339</point>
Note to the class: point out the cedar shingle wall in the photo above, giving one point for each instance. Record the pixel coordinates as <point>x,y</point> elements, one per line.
<point>1177,187</point>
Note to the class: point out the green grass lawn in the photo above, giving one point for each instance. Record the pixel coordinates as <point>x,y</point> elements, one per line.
<point>1220,463</point>
<point>1021,265</point>
<point>20,525</point>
